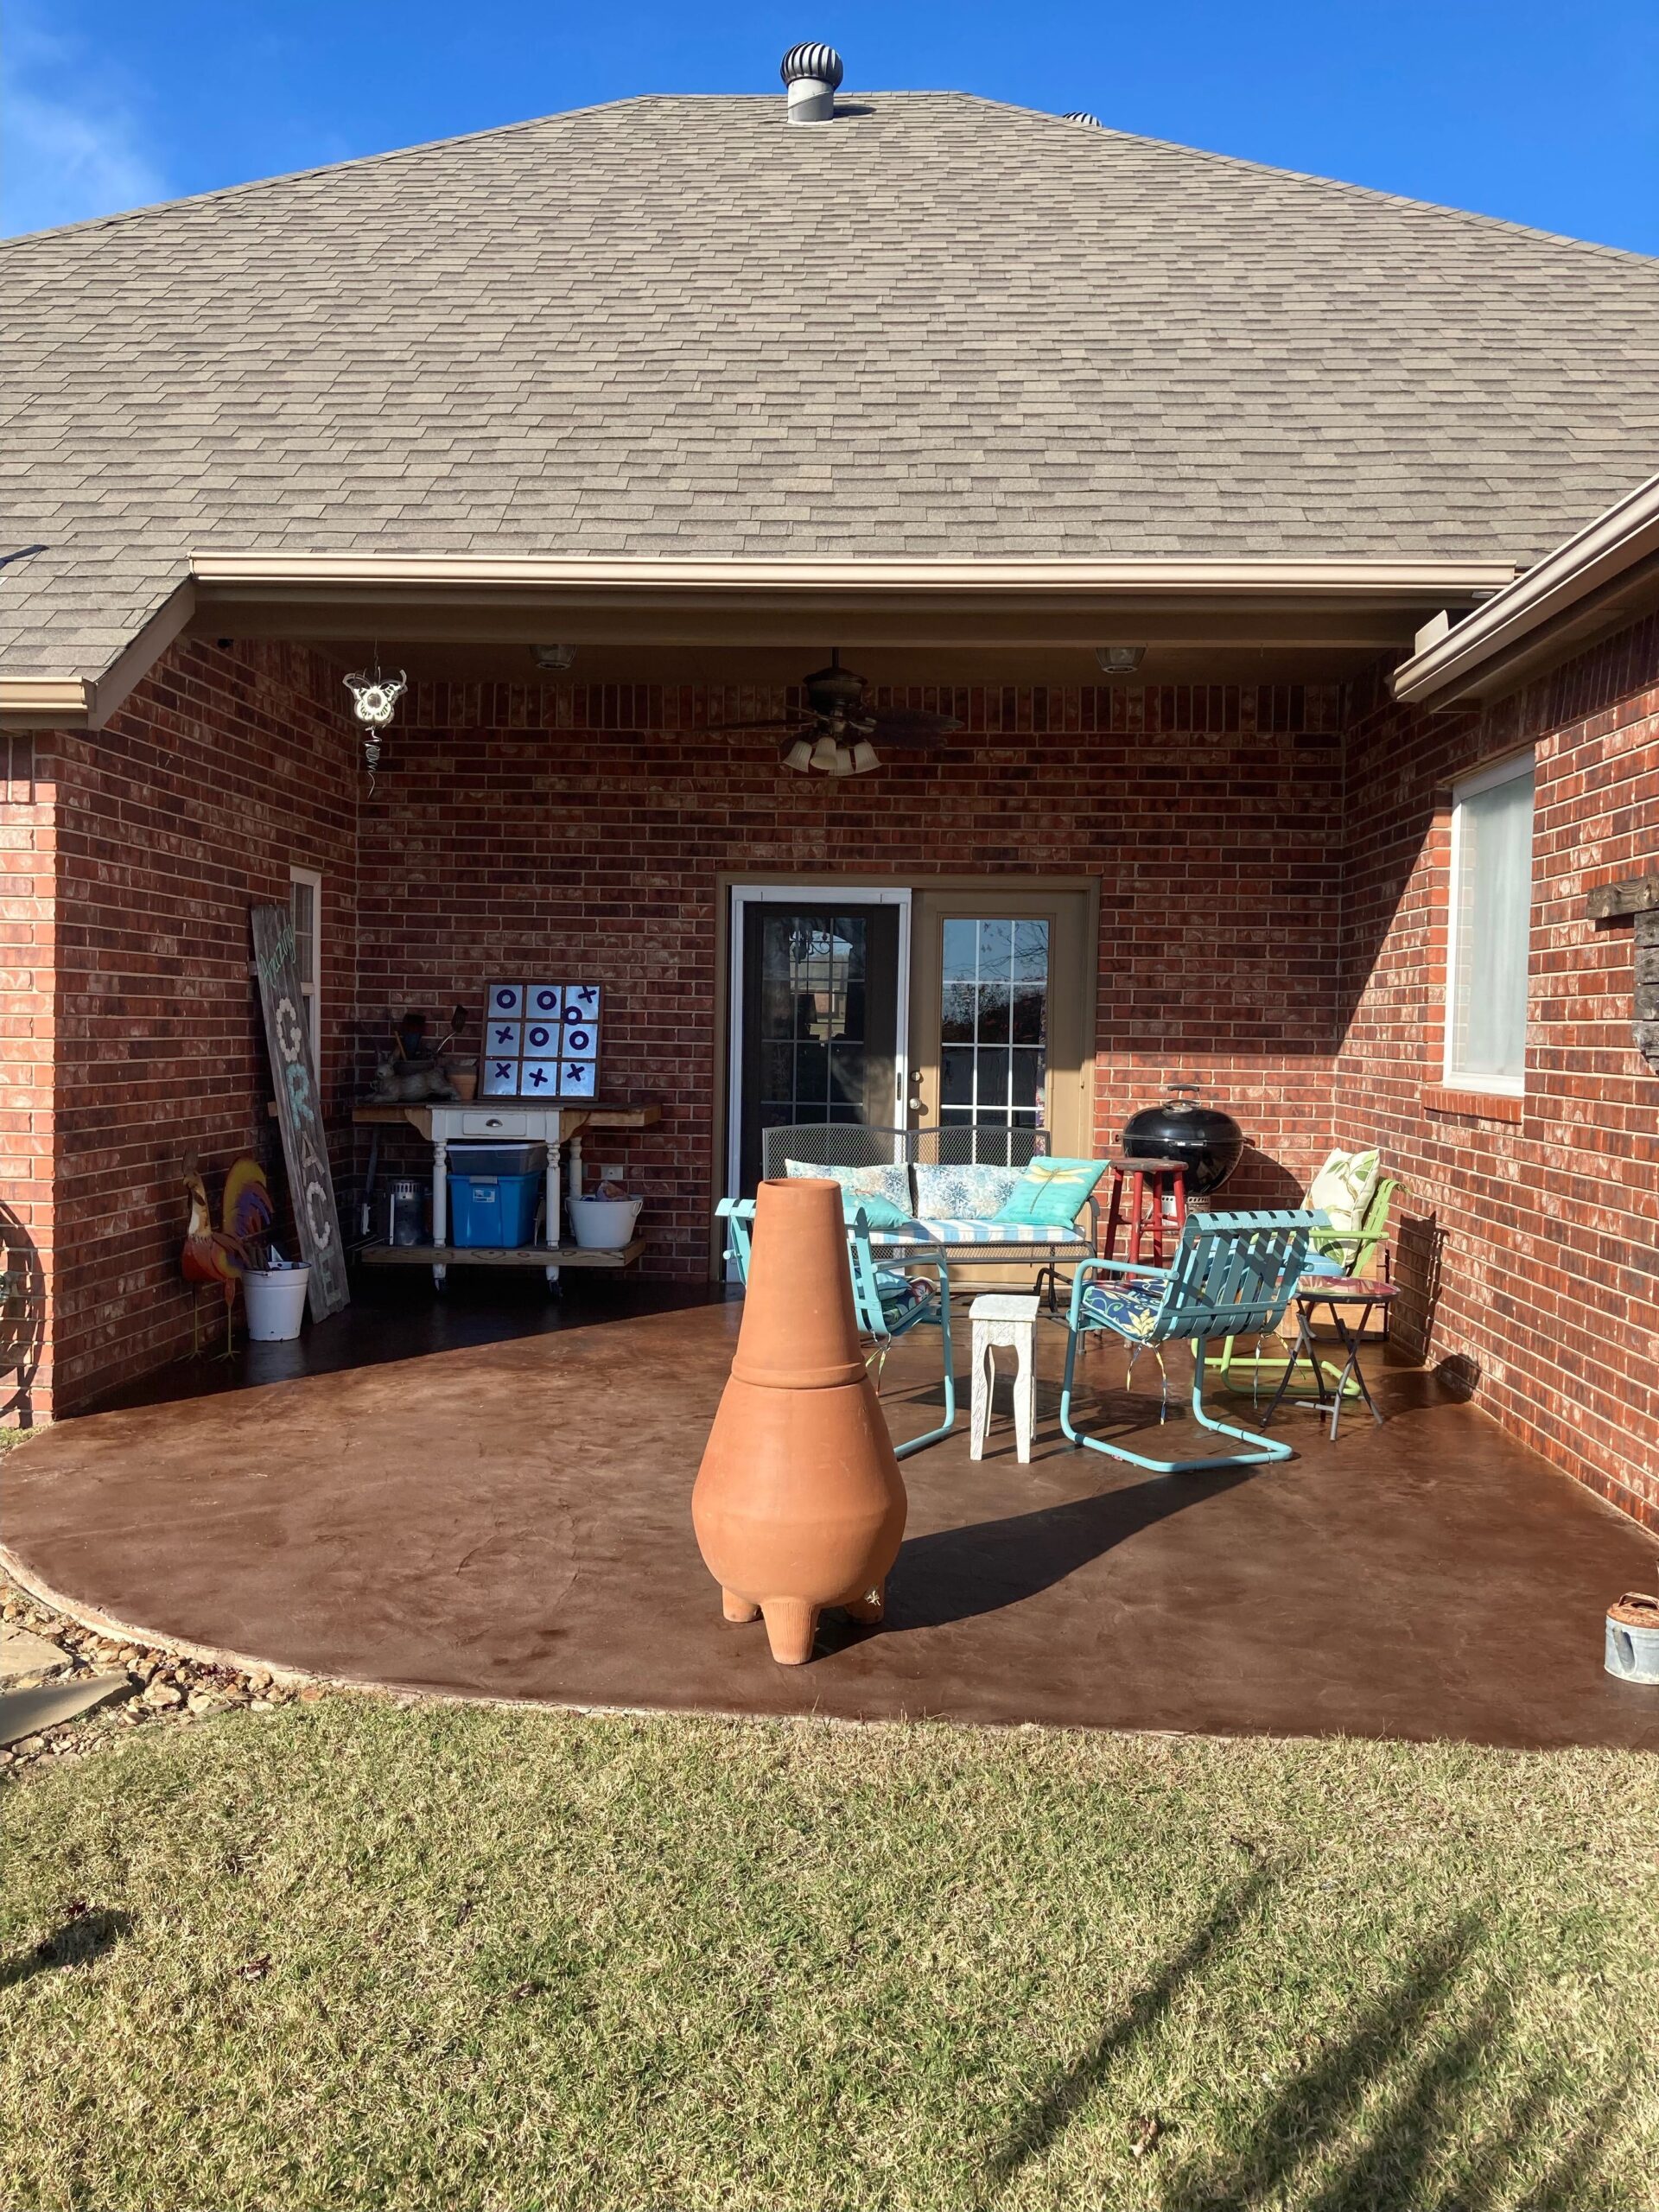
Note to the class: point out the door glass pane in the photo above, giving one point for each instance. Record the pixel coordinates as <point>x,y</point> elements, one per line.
<point>957,1009</point>
<point>812,1016</point>
<point>819,1031</point>
<point>994,1022</point>
<point>956,1079</point>
<point>813,971</point>
<point>993,1013</point>
<point>961,952</point>
<point>1031,952</point>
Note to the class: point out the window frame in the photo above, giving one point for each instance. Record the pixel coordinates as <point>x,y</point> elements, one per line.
<point>1455,1078</point>
<point>311,985</point>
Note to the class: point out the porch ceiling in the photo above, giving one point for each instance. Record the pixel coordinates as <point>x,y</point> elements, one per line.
<point>998,621</point>
<point>775,665</point>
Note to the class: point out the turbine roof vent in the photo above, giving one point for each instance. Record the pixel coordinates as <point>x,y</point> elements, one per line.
<point>812,74</point>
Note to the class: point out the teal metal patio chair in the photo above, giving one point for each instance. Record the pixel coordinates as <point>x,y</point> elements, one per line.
<point>1232,1275</point>
<point>888,1303</point>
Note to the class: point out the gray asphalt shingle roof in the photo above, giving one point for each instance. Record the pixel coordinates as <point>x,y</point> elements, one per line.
<point>675,326</point>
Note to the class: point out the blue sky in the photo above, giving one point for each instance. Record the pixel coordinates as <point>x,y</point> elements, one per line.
<point>1543,113</point>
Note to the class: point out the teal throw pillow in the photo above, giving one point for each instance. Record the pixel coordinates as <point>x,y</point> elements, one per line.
<point>1051,1193</point>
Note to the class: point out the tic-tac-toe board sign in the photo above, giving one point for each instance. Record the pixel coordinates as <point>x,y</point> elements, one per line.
<point>541,1040</point>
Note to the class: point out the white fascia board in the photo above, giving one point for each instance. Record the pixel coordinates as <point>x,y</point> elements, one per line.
<point>44,702</point>
<point>1416,580</point>
<point>1626,534</point>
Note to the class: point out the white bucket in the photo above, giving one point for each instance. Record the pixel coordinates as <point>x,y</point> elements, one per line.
<point>276,1299</point>
<point>604,1224</point>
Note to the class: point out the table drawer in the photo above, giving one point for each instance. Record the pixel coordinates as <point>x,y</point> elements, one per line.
<point>504,1122</point>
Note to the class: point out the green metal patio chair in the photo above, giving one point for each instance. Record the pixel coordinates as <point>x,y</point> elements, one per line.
<point>888,1303</point>
<point>1330,1251</point>
<point>1233,1274</point>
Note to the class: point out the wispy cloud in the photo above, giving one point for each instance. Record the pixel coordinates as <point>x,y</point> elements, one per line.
<point>73,144</point>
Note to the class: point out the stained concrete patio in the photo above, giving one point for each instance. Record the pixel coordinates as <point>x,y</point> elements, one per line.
<point>492,1500</point>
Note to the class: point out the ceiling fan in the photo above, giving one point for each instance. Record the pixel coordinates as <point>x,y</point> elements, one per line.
<point>832,732</point>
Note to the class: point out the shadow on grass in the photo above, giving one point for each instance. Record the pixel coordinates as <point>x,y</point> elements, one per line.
<point>1396,2091</point>
<point>83,1937</point>
<point>1050,2117</point>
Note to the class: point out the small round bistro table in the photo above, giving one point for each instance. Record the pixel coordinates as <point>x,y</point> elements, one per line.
<point>1350,1300</point>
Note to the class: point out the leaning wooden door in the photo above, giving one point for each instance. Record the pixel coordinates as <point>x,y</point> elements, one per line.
<point>1001,1031</point>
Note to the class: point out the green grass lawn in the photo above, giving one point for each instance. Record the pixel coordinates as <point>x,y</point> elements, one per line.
<point>359,1954</point>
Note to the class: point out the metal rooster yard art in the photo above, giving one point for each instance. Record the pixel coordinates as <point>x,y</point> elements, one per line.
<point>220,1255</point>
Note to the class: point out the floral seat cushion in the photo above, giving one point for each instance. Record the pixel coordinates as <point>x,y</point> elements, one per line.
<point>1130,1308</point>
<point>901,1293</point>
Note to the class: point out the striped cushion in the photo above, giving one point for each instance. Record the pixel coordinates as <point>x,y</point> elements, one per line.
<point>977,1232</point>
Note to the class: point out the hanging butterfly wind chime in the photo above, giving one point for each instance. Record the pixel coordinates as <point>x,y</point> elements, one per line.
<point>374,697</point>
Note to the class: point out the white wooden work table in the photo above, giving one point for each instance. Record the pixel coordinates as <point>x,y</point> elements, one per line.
<point>506,1121</point>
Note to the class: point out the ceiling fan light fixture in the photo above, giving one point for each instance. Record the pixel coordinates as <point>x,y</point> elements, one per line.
<point>842,763</point>
<point>798,757</point>
<point>1119,660</point>
<point>865,757</point>
<point>824,755</point>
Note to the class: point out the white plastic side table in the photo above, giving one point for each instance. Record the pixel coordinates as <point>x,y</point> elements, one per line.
<point>999,1320</point>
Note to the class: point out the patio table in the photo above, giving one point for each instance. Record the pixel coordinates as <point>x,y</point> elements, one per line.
<point>1334,1292</point>
<point>440,1124</point>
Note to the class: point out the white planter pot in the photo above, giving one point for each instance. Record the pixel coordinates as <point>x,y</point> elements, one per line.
<point>276,1299</point>
<point>604,1224</point>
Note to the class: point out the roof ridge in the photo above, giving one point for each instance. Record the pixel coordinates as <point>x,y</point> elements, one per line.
<point>1307,178</point>
<point>1347,185</point>
<point>331,169</point>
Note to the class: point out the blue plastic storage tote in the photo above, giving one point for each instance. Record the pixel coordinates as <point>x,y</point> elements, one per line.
<point>496,1211</point>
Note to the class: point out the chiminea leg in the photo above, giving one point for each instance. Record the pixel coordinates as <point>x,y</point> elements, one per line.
<point>737,1609</point>
<point>791,1625</point>
<point>870,1607</point>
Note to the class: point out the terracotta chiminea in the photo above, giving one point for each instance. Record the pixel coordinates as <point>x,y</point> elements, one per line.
<point>798,1502</point>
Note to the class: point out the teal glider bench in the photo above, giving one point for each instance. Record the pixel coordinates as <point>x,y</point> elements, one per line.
<point>991,1194</point>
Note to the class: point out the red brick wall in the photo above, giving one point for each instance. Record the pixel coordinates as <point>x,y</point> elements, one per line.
<point>221,769</point>
<point>1544,1230</point>
<point>27,953</point>
<point>569,829</point>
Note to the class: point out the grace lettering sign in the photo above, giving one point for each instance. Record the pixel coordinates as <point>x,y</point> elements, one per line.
<point>299,1116</point>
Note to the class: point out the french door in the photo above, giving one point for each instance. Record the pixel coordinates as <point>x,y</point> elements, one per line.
<point>970,1008</point>
<point>1000,1024</point>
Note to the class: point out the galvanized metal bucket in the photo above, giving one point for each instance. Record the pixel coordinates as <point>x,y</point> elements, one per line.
<point>1633,1650</point>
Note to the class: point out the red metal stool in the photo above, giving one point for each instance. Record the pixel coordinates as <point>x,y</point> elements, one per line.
<point>1142,1214</point>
